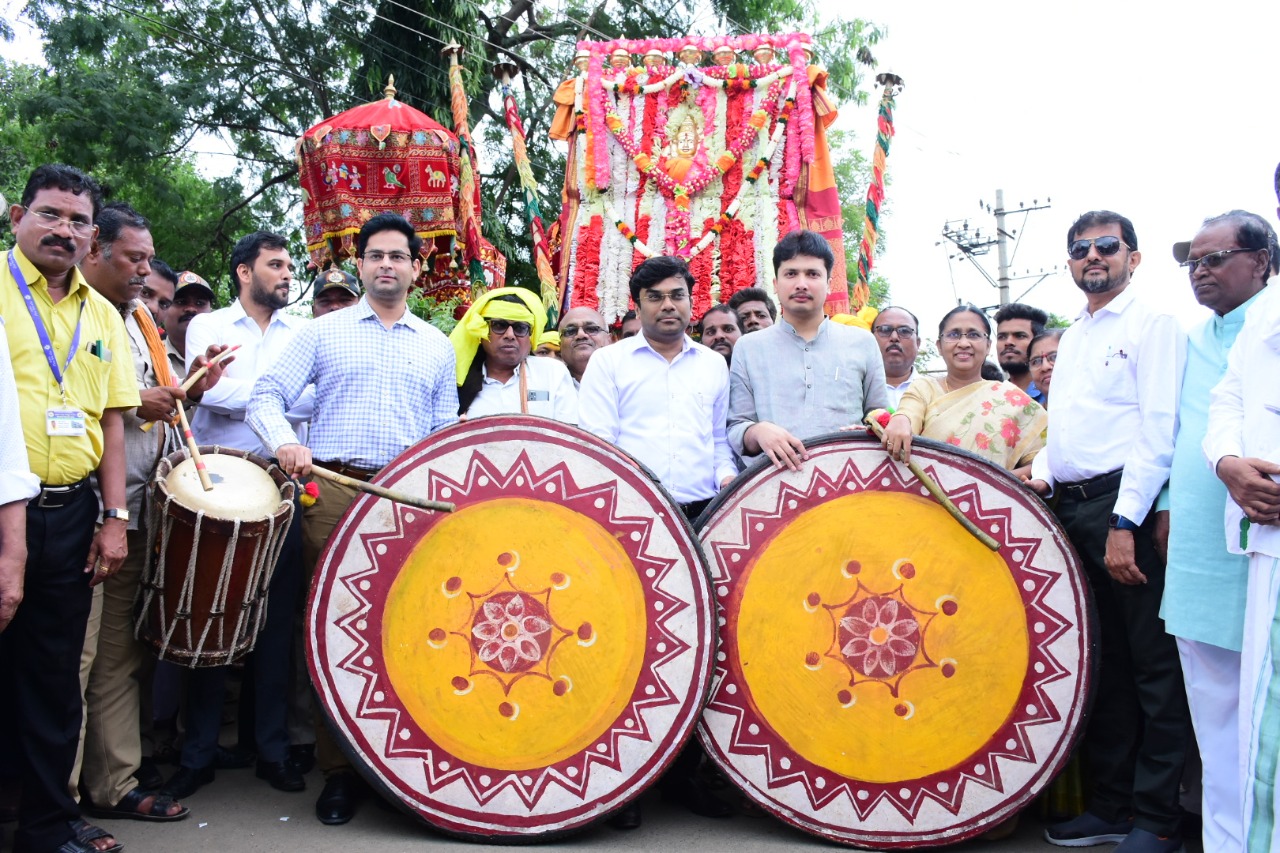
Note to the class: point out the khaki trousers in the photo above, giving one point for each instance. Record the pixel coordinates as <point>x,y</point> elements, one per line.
<point>318,521</point>
<point>113,694</point>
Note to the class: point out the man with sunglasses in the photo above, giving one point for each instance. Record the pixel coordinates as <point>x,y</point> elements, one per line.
<point>897,332</point>
<point>384,379</point>
<point>493,343</point>
<point>582,332</point>
<point>1228,263</point>
<point>1115,404</point>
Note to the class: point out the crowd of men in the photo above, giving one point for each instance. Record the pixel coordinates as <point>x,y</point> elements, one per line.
<point>98,334</point>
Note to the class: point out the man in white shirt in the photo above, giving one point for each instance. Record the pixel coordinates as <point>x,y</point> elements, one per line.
<point>664,399</point>
<point>497,375</point>
<point>1115,404</point>
<point>17,486</point>
<point>1243,446</point>
<point>261,274</point>
<point>897,332</point>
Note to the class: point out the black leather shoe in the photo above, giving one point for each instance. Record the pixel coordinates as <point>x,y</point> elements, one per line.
<point>186,781</point>
<point>696,798</point>
<point>233,758</point>
<point>337,802</point>
<point>148,775</point>
<point>628,818</point>
<point>303,757</point>
<point>281,775</point>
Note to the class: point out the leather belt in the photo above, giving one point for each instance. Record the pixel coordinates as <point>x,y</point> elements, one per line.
<point>54,497</point>
<point>693,509</point>
<point>364,475</point>
<point>1093,487</point>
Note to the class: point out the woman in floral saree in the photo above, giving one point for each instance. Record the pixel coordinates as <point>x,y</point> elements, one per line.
<point>995,420</point>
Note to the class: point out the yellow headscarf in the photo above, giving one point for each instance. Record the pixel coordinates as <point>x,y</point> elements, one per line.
<point>472,329</point>
<point>863,319</point>
<point>551,340</point>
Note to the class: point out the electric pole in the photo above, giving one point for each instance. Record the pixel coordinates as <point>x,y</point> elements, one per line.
<point>972,244</point>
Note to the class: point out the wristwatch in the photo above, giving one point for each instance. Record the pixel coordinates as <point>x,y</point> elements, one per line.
<point>1119,522</point>
<point>122,514</point>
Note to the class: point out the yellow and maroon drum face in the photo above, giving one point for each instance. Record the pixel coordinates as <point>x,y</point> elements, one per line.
<point>528,663</point>
<point>883,678</point>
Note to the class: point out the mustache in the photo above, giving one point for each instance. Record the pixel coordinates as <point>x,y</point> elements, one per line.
<point>60,242</point>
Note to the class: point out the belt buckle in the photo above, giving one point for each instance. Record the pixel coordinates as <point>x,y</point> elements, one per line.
<point>51,492</point>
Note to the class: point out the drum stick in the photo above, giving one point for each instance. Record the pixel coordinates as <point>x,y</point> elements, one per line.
<point>940,496</point>
<point>389,494</point>
<point>195,451</point>
<point>194,378</point>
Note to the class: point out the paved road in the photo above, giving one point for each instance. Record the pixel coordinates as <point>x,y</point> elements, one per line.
<point>240,814</point>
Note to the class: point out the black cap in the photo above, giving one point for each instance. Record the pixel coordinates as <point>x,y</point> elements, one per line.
<point>335,278</point>
<point>188,280</point>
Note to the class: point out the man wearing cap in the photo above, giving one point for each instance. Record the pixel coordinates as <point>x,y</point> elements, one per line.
<point>74,379</point>
<point>492,343</point>
<point>384,379</point>
<point>1204,594</point>
<point>192,296</point>
<point>333,290</point>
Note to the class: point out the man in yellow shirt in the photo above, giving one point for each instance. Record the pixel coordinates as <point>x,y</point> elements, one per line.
<point>74,378</point>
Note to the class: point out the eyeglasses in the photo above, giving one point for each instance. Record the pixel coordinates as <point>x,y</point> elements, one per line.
<point>887,331</point>
<point>376,257</point>
<point>499,327</point>
<point>1052,358</point>
<point>50,221</point>
<point>971,335</point>
<point>1213,260</point>
<point>657,297</point>
<point>1106,246</point>
<point>585,328</point>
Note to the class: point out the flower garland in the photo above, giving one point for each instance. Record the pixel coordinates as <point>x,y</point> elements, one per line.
<point>628,83</point>
<point>731,212</point>
<point>701,177</point>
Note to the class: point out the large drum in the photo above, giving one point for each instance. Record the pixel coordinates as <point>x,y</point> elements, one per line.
<point>884,679</point>
<point>529,663</point>
<point>211,555</point>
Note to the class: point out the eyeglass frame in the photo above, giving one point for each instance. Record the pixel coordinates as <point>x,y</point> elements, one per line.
<point>1191,264</point>
<point>1051,357</point>
<point>902,331</point>
<point>50,221</point>
<point>514,325</point>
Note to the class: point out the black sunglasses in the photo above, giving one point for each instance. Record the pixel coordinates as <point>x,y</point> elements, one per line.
<point>499,327</point>
<point>1106,246</point>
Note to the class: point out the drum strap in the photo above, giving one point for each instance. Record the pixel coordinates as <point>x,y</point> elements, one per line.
<point>524,387</point>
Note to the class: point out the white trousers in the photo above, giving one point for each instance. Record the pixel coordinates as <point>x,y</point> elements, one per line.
<point>1260,706</point>
<point>1212,678</point>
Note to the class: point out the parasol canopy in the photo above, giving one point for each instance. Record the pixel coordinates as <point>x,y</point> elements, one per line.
<point>384,157</point>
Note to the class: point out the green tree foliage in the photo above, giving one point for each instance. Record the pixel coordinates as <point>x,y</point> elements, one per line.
<point>136,90</point>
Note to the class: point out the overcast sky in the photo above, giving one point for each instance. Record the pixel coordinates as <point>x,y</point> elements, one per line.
<point>1166,113</point>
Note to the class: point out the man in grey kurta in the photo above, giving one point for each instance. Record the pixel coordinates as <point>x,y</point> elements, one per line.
<point>805,375</point>
<point>1204,594</point>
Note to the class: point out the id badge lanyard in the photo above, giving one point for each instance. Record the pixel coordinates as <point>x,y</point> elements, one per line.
<point>43,333</point>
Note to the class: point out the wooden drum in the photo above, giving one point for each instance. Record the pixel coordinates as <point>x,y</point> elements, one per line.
<point>524,666</point>
<point>884,679</point>
<point>211,555</point>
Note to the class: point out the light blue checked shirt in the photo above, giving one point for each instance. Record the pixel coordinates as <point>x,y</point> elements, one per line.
<point>378,390</point>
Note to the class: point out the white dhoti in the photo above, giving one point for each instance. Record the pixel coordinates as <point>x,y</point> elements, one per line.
<point>1260,705</point>
<point>1212,678</point>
